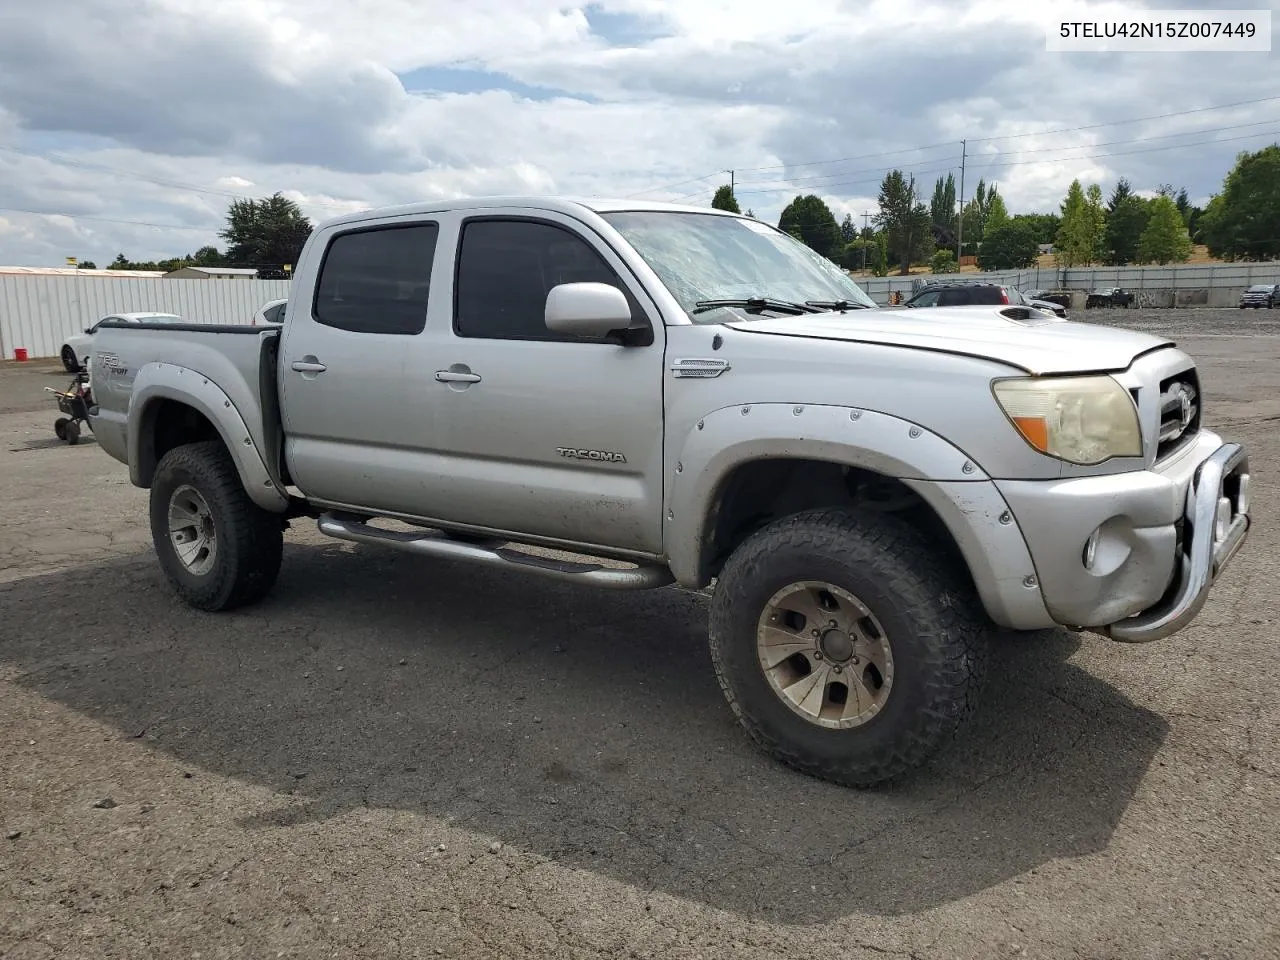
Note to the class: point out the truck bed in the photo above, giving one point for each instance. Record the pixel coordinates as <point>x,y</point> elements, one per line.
<point>240,359</point>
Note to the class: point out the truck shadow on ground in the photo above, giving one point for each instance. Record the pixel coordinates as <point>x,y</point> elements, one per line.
<point>581,726</point>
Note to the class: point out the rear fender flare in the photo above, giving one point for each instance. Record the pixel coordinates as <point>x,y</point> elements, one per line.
<point>166,381</point>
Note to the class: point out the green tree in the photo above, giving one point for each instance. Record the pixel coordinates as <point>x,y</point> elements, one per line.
<point>848,232</point>
<point>1121,190</point>
<point>725,200</point>
<point>1127,215</point>
<point>1243,221</point>
<point>942,211</point>
<point>1165,239</point>
<point>1082,234</point>
<point>1097,218</point>
<point>207,257</point>
<point>944,261</point>
<point>1045,225</point>
<point>860,253</point>
<point>904,220</point>
<point>881,266</point>
<point>1009,245</point>
<point>811,221</point>
<point>997,215</point>
<point>86,265</point>
<point>751,213</point>
<point>266,232</point>
<point>976,212</point>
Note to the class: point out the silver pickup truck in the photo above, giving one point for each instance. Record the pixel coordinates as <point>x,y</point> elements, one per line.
<point>664,394</point>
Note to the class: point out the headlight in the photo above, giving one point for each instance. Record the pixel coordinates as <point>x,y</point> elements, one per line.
<point>1082,420</point>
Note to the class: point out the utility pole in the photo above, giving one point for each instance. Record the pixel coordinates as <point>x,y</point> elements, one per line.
<point>960,220</point>
<point>866,214</point>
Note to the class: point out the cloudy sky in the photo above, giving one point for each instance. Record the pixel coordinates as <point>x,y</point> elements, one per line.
<point>130,127</point>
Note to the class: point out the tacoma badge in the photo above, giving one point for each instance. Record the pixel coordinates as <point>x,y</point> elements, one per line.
<point>605,456</point>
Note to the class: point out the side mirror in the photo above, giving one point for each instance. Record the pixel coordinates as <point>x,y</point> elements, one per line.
<point>587,309</point>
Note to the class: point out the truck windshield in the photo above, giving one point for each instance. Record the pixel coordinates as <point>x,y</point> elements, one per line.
<point>703,258</point>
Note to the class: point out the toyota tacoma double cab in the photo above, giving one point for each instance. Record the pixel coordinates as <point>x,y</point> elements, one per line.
<point>668,395</point>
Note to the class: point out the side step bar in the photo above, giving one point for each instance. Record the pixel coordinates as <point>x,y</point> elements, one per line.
<point>431,544</point>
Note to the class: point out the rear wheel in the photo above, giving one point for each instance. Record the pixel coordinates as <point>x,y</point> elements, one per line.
<point>218,549</point>
<point>845,646</point>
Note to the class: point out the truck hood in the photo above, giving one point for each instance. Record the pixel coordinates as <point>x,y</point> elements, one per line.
<point>1044,345</point>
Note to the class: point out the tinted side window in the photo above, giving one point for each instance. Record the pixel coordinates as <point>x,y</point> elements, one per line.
<point>376,281</point>
<point>929,299</point>
<point>951,298</point>
<point>506,268</point>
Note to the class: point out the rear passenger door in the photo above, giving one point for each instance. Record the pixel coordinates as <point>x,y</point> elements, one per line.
<point>543,434</point>
<point>354,366</point>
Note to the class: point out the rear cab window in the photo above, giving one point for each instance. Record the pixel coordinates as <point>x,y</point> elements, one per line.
<point>377,279</point>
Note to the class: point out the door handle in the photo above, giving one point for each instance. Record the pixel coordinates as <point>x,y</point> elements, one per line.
<point>309,366</point>
<point>456,376</point>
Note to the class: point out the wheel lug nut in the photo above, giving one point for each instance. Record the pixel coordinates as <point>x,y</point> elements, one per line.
<point>836,668</point>
<point>817,654</point>
<point>816,633</point>
<point>831,623</point>
<point>853,659</point>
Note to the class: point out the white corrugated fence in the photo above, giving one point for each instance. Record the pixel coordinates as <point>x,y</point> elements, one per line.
<point>39,312</point>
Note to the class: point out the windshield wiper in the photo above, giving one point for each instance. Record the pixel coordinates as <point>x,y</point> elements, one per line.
<point>755,303</point>
<point>841,305</point>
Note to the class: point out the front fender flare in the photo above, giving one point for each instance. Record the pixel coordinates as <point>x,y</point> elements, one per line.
<point>166,381</point>
<point>731,436</point>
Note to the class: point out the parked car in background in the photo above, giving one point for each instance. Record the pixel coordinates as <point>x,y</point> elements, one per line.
<point>1109,297</point>
<point>270,312</point>
<point>75,351</point>
<point>966,293</point>
<point>1061,297</point>
<point>1261,295</point>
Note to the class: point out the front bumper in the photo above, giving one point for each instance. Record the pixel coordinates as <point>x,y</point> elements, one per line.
<point>1133,556</point>
<point>1216,522</point>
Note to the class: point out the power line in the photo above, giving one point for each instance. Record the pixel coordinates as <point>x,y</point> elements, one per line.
<point>1112,123</point>
<point>814,179</point>
<point>136,223</point>
<point>863,156</point>
<point>670,186</point>
<point>1000,164</point>
<point>1010,136</point>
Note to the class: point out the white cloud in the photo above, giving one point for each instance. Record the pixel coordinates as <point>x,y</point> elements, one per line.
<point>243,98</point>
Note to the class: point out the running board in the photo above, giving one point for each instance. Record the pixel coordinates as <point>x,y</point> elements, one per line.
<point>431,544</point>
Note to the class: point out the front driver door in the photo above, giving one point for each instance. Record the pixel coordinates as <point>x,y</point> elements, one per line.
<point>546,435</point>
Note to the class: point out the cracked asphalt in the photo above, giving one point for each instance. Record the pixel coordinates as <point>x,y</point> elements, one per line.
<point>395,757</point>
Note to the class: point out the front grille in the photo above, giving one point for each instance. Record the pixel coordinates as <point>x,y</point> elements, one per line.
<point>1179,413</point>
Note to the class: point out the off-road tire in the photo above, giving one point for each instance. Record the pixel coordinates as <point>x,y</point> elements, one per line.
<point>929,612</point>
<point>250,540</point>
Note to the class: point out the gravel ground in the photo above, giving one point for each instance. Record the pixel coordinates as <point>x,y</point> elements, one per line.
<point>369,764</point>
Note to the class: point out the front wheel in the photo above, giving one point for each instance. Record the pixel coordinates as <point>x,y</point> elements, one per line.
<point>845,646</point>
<point>69,360</point>
<point>218,549</point>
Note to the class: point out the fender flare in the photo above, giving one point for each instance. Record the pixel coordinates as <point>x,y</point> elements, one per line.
<point>729,437</point>
<point>167,381</point>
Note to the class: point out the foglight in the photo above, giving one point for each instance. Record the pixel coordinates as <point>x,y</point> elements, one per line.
<point>1083,420</point>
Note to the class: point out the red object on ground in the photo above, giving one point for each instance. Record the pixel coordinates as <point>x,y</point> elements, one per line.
<point>20,354</point>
